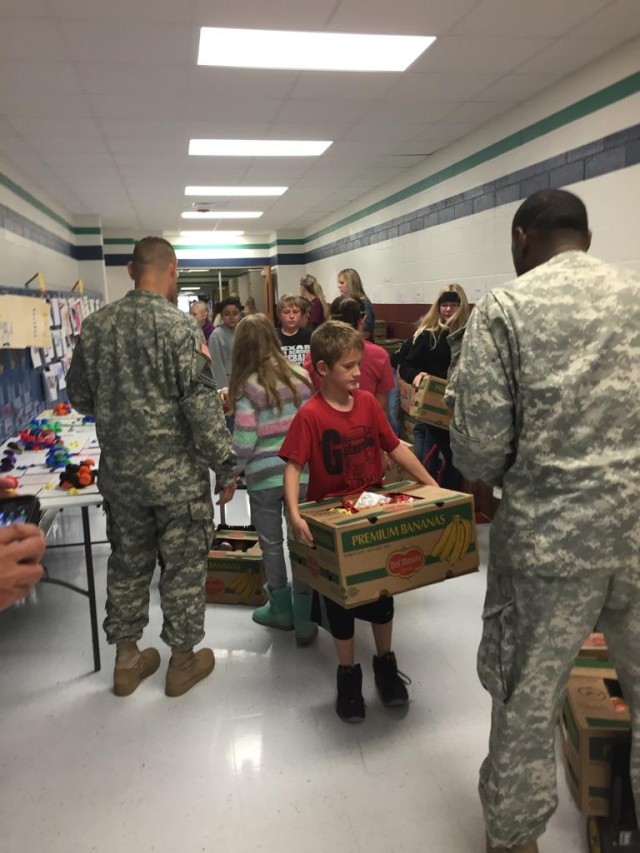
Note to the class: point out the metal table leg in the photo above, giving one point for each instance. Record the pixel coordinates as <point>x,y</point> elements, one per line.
<point>91,588</point>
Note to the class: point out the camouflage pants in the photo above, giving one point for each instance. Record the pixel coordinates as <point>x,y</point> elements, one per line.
<point>181,535</point>
<point>533,629</point>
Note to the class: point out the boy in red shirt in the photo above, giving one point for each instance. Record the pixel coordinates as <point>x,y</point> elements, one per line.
<point>340,434</point>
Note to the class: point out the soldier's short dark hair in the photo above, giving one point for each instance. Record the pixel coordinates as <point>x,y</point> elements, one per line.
<point>152,252</point>
<point>552,210</point>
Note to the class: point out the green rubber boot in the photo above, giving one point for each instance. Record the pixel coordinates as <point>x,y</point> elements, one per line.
<point>278,611</point>
<point>306,630</point>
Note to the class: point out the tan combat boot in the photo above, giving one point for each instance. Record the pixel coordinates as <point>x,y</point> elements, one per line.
<point>527,847</point>
<point>132,665</point>
<point>186,669</point>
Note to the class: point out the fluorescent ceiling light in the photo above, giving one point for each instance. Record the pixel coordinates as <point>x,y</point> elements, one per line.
<point>222,214</point>
<point>209,236</point>
<point>226,191</point>
<point>235,48</point>
<point>257,147</point>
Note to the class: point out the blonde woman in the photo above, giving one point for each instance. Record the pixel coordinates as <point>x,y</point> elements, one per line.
<point>429,354</point>
<point>311,289</point>
<point>350,284</point>
<point>266,390</point>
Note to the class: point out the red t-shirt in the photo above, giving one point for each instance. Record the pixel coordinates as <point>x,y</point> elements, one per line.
<point>376,373</point>
<point>342,449</point>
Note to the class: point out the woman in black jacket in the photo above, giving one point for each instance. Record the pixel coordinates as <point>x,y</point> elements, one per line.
<point>430,354</point>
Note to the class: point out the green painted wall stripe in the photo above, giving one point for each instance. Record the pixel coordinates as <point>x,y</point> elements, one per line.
<point>6,182</point>
<point>33,201</point>
<point>288,241</point>
<point>592,103</point>
<point>119,241</point>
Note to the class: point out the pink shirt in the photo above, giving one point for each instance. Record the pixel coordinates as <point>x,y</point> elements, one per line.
<point>376,373</point>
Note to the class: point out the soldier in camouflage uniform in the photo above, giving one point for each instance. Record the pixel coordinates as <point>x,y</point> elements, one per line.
<point>546,397</point>
<point>142,368</point>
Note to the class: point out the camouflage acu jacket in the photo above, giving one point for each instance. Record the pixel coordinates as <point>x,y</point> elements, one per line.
<point>142,368</point>
<point>546,397</point>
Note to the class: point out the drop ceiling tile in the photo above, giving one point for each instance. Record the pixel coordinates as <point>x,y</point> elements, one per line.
<point>240,83</point>
<point>440,87</point>
<point>388,132</point>
<point>542,19</point>
<point>78,128</point>
<point>130,42</point>
<point>162,11</point>
<point>24,9</point>
<point>515,88</point>
<point>41,104</point>
<point>222,109</point>
<point>31,37</point>
<point>68,147</point>
<point>277,14</point>
<point>132,106</point>
<point>455,54</point>
<point>321,111</point>
<point>111,78</point>
<point>619,21</point>
<point>174,147</point>
<point>342,86</point>
<point>32,74</point>
<point>563,57</point>
<point>406,111</point>
<point>477,112</point>
<point>404,17</point>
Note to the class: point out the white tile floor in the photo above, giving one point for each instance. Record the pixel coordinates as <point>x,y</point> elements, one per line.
<point>254,758</point>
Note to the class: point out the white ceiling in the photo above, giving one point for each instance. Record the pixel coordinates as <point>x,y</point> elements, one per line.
<point>98,100</point>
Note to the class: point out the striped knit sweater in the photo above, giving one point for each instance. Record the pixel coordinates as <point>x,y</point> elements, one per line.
<point>260,430</point>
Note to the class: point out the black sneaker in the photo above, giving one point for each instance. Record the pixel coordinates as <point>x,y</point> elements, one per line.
<point>390,681</point>
<point>350,704</point>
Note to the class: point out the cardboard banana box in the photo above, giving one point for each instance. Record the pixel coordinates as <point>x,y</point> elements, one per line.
<point>594,718</point>
<point>387,550</point>
<point>235,574</point>
<point>426,402</point>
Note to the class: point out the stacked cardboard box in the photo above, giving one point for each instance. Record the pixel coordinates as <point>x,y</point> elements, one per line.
<point>235,574</point>
<point>390,344</point>
<point>595,646</point>
<point>426,402</point>
<point>594,718</point>
<point>385,550</point>
<point>379,330</point>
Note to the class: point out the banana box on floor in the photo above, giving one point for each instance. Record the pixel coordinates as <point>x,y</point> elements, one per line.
<point>235,574</point>
<point>425,535</point>
<point>426,402</point>
<point>595,717</point>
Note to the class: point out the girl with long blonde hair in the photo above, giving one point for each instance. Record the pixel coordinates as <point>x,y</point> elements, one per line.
<point>311,289</point>
<point>266,390</point>
<point>350,284</point>
<point>429,354</point>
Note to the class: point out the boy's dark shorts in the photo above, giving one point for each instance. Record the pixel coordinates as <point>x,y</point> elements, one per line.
<point>341,621</point>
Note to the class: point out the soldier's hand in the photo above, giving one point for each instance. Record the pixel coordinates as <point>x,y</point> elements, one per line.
<point>226,493</point>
